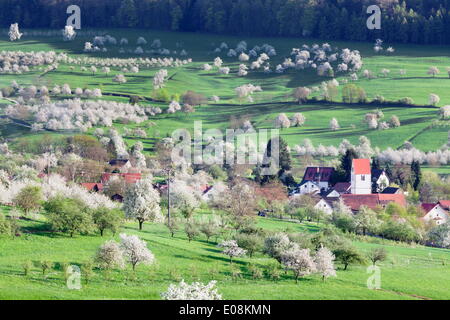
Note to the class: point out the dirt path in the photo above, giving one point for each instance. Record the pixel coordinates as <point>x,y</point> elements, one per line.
<point>407,294</point>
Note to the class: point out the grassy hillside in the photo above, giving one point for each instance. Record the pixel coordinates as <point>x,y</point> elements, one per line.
<point>415,84</point>
<point>409,272</point>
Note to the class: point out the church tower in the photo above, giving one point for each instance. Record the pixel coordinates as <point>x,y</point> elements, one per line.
<point>361,177</point>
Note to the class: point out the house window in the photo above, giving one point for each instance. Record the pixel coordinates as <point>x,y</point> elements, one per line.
<point>363,178</point>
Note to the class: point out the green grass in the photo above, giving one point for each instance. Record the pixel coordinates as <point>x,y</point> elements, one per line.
<point>416,84</point>
<point>409,273</point>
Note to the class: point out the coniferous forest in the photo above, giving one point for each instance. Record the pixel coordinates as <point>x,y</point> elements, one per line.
<point>410,21</point>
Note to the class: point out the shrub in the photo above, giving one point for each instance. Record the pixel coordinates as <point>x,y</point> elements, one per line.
<point>194,99</point>
<point>255,272</point>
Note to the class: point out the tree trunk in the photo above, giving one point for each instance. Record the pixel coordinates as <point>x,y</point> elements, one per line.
<point>140,224</point>
<point>101,232</point>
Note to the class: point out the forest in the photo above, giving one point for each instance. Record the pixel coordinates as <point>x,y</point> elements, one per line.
<point>412,21</point>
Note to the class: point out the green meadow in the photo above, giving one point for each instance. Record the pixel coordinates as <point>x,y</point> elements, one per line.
<point>417,84</point>
<point>408,273</point>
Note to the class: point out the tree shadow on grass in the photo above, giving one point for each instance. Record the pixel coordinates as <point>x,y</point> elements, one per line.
<point>225,259</point>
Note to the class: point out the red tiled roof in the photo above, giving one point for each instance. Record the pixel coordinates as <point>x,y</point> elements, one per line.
<point>342,187</point>
<point>427,207</point>
<point>355,201</point>
<point>128,177</point>
<point>361,166</point>
<point>91,186</point>
<point>397,198</point>
<point>318,173</point>
<point>445,204</point>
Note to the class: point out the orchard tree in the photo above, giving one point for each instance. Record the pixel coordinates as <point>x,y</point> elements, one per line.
<point>230,248</point>
<point>324,263</point>
<point>347,255</point>
<point>433,71</point>
<point>68,215</point>
<point>282,121</point>
<point>334,124</point>
<point>249,242</point>
<point>434,99</point>
<point>135,250</point>
<point>108,219</point>
<point>275,245</point>
<point>298,120</point>
<point>377,255</point>
<point>301,94</point>
<point>299,261</point>
<point>141,202</point>
<point>444,112</point>
<point>110,255</point>
<point>394,122</point>
<point>14,33</point>
<point>194,291</point>
<point>29,199</point>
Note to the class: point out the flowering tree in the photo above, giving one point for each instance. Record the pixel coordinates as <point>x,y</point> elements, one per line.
<point>385,72</point>
<point>231,249</point>
<point>298,120</point>
<point>141,202</point>
<point>299,261</point>
<point>135,250</point>
<point>434,99</point>
<point>301,94</point>
<point>334,124</point>
<point>110,255</point>
<point>69,33</point>
<point>394,122</point>
<point>159,79</point>
<point>444,112</point>
<point>194,291</point>
<point>275,245</point>
<point>184,198</point>
<point>324,263</point>
<point>243,57</point>
<point>119,78</point>
<point>14,33</point>
<point>218,62</point>
<point>433,71</point>
<point>282,121</point>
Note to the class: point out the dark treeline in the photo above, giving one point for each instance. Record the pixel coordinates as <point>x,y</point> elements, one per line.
<point>410,21</point>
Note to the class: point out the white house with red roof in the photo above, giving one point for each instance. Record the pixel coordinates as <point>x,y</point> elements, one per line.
<point>361,177</point>
<point>434,212</point>
<point>321,176</point>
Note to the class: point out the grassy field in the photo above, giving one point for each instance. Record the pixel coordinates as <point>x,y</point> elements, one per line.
<point>409,272</point>
<point>416,84</point>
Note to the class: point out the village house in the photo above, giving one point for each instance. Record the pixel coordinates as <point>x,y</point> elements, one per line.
<point>380,180</point>
<point>127,177</point>
<point>317,180</point>
<point>434,212</point>
<point>306,187</point>
<point>343,187</point>
<point>94,187</point>
<point>325,205</point>
<point>372,201</point>
<point>120,165</point>
<point>321,176</point>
